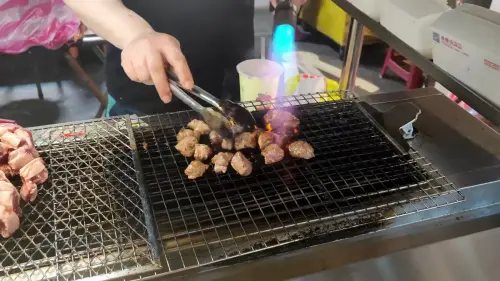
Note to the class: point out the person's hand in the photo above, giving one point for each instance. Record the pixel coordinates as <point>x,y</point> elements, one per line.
<point>144,60</point>
<point>295,2</point>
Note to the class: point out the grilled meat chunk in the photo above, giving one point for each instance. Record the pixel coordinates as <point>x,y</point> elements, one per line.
<point>215,138</point>
<point>187,146</point>
<point>202,152</point>
<point>9,222</point>
<point>25,136</point>
<point>11,140</point>
<point>265,139</point>
<point>245,140</point>
<point>195,169</point>
<point>227,144</point>
<point>8,171</point>
<point>221,161</point>
<point>281,139</point>
<point>184,133</point>
<point>272,154</point>
<point>281,119</point>
<point>199,126</point>
<point>241,164</point>
<point>32,174</point>
<point>7,127</point>
<point>301,149</point>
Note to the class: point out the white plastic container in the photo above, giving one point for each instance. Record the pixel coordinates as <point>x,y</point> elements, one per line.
<point>370,7</point>
<point>410,20</point>
<point>259,79</point>
<point>467,45</point>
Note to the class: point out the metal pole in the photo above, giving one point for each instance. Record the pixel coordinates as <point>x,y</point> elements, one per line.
<point>351,62</point>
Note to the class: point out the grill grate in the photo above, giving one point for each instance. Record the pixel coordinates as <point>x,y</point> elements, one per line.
<point>88,219</point>
<point>358,176</point>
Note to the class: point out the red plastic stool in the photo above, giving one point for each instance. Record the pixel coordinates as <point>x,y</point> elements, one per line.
<point>414,78</point>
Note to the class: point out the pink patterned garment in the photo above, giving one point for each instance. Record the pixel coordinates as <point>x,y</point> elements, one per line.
<point>28,23</point>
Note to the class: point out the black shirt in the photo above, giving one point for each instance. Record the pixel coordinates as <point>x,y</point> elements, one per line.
<point>215,35</point>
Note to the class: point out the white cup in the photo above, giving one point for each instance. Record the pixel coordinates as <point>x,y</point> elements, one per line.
<point>259,79</point>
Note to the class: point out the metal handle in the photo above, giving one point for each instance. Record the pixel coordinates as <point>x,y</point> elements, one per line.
<point>184,97</point>
<point>197,91</point>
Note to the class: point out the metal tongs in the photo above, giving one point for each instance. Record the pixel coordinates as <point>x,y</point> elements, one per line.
<point>227,117</point>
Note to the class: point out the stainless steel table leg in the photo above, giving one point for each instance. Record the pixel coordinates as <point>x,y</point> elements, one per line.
<point>351,62</point>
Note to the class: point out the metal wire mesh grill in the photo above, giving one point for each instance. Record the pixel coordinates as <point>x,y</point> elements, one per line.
<point>358,176</point>
<point>88,219</point>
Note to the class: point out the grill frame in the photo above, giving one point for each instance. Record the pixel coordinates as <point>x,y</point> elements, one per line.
<point>177,245</point>
<point>91,218</point>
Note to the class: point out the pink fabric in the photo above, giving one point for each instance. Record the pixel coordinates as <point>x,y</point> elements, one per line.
<point>28,23</point>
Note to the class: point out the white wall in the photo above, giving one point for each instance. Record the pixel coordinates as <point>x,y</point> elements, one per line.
<point>261,3</point>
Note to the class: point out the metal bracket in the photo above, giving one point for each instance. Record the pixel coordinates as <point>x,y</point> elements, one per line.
<point>397,122</point>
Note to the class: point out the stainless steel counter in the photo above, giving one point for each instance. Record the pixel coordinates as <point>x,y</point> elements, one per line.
<point>463,148</point>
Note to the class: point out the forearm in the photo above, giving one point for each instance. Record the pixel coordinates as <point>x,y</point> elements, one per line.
<point>110,19</point>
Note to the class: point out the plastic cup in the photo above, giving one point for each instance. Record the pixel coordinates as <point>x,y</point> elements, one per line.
<point>259,79</point>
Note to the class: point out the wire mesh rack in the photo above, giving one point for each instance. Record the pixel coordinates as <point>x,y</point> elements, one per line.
<point>358,176</point>
<point>89,218</point>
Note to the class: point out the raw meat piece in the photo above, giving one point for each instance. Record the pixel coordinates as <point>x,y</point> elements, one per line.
<point>245,140</point>
<point>195,169</point>
<point>301,149</point>
<point>11,140</point>
<point>9,208</point>
<point>221,161</point>
<point>20,157</point>
<point>202,152</point>
<point>34,171</point>
<point>3,177</point>
<point>25,135</point>
<point>4,152</point>
<point>227,144</point>
<point>265,139</point>
<point>7,170</point>
<point>241,164</point>
<point>187,146</point>
<point>7,128</point>
<point>9,222</point>
<point>199,126</point>
<point>183,133</point>
<point>29,191</point>
<point>215,138</point>
<point>273,153</point>
<point>281,119</point>
<point>9,197</point>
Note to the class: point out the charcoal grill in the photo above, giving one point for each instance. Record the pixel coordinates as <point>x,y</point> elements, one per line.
<point>118,204</point>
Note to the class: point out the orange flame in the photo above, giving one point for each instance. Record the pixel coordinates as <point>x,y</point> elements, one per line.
<point>269,127</point>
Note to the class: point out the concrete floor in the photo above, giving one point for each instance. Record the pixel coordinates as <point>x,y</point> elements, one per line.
<point>66,99</point>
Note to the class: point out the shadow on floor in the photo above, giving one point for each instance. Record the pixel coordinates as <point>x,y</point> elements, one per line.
<point>31,112</point>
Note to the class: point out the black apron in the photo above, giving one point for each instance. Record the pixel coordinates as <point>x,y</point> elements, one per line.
<point>215,35</point>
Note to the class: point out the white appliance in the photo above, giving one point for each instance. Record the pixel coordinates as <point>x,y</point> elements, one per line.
<point>410,21</point>
<point>370,7</point>
<point>466,44</point>
<point>495,5</point>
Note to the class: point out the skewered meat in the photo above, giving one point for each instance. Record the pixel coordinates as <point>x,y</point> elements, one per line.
<point>9,208</point>
<point>20,157</point>
<point>281,119</point>
<point>184,133</point>
<point>245,140</point>
<point>215,138</point>
<point>195,169</point>
<point>221,161</point>
<point>202,152</point>
<point>187,146</point>
<point>241,164</point>
<point>273,153</point>
<point>11,140</point>
<point>227,144</point>
<point>199,126</point>
<point>301,149</point>
<point>265,139</point>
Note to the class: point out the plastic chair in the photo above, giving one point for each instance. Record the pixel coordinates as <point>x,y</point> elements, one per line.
<point>413,77</point>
